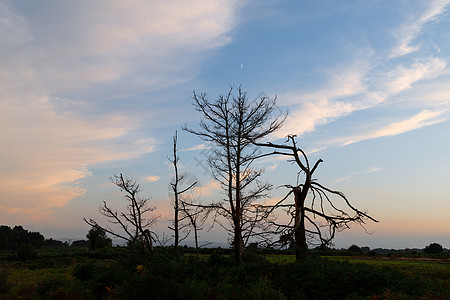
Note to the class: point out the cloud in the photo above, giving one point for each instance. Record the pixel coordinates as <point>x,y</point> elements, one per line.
<point>210,188</point>
<point>368,171</point>
<point>61,64</point>
<point>374,87</point>
<point>272,167</point>
<point>325,105</point>
<point>152,178</point>
<point>198,147</point>
<point>422,119</point>
<point>408,32</point>
<point>402,78</point>
<point>313,114</point>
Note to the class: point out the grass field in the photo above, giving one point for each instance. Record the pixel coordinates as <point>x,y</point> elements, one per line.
<point>427,267</point>
<point>53,275</point>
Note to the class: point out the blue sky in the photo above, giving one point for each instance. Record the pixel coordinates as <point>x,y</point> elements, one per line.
<point>90,89</point>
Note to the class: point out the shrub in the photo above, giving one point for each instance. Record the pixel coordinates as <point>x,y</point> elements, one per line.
<point>433,248</point>
<point>26,252</point>
<point>4,284</point>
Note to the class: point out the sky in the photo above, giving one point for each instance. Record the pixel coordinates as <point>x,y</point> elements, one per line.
<point>89,89</point>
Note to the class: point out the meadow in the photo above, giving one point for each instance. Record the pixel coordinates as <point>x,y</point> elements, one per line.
<point>76,273</point>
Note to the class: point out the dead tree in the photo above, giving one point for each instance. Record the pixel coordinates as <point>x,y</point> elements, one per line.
<point>177,192</point>
<point>132,225</point>
<point>317,212</point>
<point>195,216</point>
<point>230,123</point>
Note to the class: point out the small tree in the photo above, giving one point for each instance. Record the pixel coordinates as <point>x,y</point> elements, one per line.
<point>97,239</point>
<point>354,249</point>
<point>196,217</point>
<point>433,248</point>
<point>133,224</point>
<point>177,192</point>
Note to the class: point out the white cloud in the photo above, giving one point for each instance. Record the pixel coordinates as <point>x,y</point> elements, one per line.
<point>58,57</point>
<point>367,171</point>
<point>327,104</point>
<point>210,188</point>
<point>402,78</point>
<point>153,178</point>
<point>422,119</point>
<point>272,167</point>
<point>373,88</point>
<point>409,31</point>
<point>198,147</point>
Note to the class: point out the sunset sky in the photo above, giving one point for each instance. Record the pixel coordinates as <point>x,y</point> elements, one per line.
<point>89,89</point>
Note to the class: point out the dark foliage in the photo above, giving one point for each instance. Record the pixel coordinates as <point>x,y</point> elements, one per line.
<point>354,249</point>
<point>97,239</point>
<point>4,284</point>
<point>54,243</point>
<point>26,252</point>
<point>122,275</point>
<point>13,238</point>
<point>433,248</point>
<point>80,243</point>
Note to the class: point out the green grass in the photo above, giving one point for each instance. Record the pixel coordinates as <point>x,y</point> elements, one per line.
<point>435,269</point>
<point>78,274</point>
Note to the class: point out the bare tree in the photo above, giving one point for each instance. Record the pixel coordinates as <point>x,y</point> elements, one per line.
<point>318,217</point>
<point>177,194</point>
<point>196,217</point>
<point>230,123</point>
<point>134,223</point>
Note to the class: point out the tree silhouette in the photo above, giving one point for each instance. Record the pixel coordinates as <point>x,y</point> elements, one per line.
<point>433,248</point>
<point>97,239</point>
<point>133,224</point>
<point>177,192</point>
<point>317,212</point>
<point>230,123</point>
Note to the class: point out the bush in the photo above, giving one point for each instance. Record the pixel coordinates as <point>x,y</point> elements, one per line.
<point>26,252</point>
<point>433,248</point>
<point>4,284</point>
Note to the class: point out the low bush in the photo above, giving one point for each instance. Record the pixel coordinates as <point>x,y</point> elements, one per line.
<point>26,252</point>
<point>4,284</point>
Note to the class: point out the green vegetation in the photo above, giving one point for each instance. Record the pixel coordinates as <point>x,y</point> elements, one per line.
<point>97,239</point>
<point>116,273</point>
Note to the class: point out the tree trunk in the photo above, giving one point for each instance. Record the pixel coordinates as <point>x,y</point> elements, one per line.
<point>237,247</point>
<point>177,252</point>
<point>301,247</point>
<point>196,238</point>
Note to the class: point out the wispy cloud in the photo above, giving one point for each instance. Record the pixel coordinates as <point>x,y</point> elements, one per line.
<point>370,81</point>
<point>153,178</point>
<point>327,104</point>
<point>62,61</point>
<point>210,188</point>
<point>368,171</point>
<point>198,147</point>
<point>422,119</point>
<point>409,31</point>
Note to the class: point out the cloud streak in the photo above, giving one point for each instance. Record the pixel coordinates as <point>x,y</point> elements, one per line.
<point>61,62</point>
<point>368,171</point>
<point>370,81</point>
<point>408,32</point>
<point>422,119</point>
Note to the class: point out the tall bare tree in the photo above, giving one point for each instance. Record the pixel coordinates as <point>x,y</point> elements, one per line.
<point>177,192</point>
<point>230,123</point>
<point>318,217</point>
<point>133,224</point>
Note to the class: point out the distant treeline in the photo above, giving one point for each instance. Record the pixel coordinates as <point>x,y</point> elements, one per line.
<point>14,238</point>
